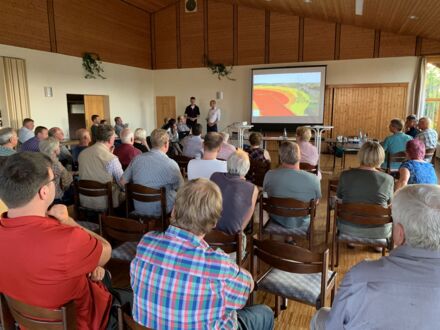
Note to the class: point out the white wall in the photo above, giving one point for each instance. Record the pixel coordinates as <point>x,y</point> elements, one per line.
<point>130,89</point>
<point>235,105</point>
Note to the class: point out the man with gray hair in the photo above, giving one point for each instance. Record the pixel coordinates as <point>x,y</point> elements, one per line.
<point>402,290</point>
<point>8,141</point>
<point>65,156</point>
<point>226,148</point>
<point>288,181</point>
<point>126,151</point>
<point>427,134</point>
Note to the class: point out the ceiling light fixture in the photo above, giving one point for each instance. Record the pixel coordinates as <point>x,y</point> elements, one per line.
<point>413,17</point>
<point>307,1</point>
<point>359,7</point>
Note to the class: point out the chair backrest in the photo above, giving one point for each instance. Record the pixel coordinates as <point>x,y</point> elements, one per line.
<point>121,229</point>
<point>332,187</point>
<point>288,207</point>
<point>36,318</point>
<point>93,189</point>
<point>257,171</point>
<point>228,243</point>
<point>363,214</point>
<point>126,321</point>
<point>398,157</point>
<point>182,161</point>
<point>314,169</point>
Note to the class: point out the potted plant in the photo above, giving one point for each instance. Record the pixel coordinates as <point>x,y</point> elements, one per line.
<point>92,66</point>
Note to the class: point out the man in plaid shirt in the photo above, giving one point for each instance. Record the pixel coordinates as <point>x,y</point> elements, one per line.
<point>179,282</point>
<point>427,134</point>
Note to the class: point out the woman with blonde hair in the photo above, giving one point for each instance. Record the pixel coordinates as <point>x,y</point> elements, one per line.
<point>63,178</point>
<point>140,140</point>
<point>309,153</point>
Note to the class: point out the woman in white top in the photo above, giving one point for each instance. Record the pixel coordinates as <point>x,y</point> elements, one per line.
<point>213,117</point>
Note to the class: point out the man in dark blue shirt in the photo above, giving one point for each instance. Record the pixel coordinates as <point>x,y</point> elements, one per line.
<point>192,112</point>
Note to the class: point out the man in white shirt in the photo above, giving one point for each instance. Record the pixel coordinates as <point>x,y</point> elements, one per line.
<point>27,131</point>
<point>209,164</point>
<point>213,117</point>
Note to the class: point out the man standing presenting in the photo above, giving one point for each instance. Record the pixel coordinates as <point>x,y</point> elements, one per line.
<point>192,112</point>
<point>213,117</point>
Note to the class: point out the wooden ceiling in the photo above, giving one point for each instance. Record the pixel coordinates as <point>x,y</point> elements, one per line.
<point>384,15</point>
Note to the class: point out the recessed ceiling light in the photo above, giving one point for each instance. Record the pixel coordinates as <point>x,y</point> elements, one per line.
<point>413,17</point>
<point>307,1</point>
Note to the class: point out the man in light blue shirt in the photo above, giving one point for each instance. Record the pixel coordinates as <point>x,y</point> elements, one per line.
<point>27,131</point>
<point>402,290</point>
<point>193,144</point>
<point>155,169</point>
<point>396,142</point>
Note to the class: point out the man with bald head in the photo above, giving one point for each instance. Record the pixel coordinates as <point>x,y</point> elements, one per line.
<point>126,151</point>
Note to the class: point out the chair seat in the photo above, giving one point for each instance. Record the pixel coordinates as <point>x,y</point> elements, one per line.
<point>275,229</point>
<point>303,287</point>
<point>125,251</point>
<point>89,225</point>
<point>363,240</point>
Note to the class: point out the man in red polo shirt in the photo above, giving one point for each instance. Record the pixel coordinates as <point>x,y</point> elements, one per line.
<point>126,151</point>
<point>46,258</point>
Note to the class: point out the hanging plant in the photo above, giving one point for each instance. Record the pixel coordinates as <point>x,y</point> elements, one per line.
<point>92,66</point>
<point>219,69</point>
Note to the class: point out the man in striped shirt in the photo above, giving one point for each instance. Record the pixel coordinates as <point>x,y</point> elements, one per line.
<point>179,282</point>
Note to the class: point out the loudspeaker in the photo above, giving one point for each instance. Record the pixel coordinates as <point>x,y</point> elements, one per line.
<point>190,6</point>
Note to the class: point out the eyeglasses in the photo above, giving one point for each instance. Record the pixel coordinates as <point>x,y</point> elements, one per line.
<point>47,183</point>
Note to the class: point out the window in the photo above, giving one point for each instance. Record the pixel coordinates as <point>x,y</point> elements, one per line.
<point>432,92</point>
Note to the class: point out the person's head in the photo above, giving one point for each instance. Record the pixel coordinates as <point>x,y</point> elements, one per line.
<point>50,147</point>
<point>103,122</point>
<point>411,121</point>
<point>212,142</point>
<point>424,123</point>
<point>181,119</point>
<point>255,139</point>
<point>192,100</point>
<point>41,133</point>
<point>140,135</point>
<point>26,179</point>
<point>198,206</point>
<point>95,119</point>
<point>416,216</point>
<point>225,137</point>
<point>212,103</point>
<point>8,137</point>
<point>304,133</point>
<point>105,134</point>
<point>127,136</point>
<point>172,124</point>
<point>415,149</point>
<point>396,125</point>
<point>197,129</point>
<point>56,133</point>
<point>118,121</point>
<point>238,163</point>
<point>371,154</point>
<point>83,135</point>
<point>160,139</point>
<point>289,153</point>
<point>28,123</point>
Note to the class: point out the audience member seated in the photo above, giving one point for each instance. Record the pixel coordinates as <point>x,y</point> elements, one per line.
<point>226,148</point>
<point>65,156</point>
<point>239,196</point>
<point>192,286</point>
<point>140,140</point>
<point>193,143</point>
<point>182,127</point>
<point>399,291</point>
<point>155,169</point>
<point>288,181</point>
<point>309,153</point>
<point>255,151</point>
<point>119,126</point>
<point>48,259</point>
<point>427,135</point>
<point>368,185</point>
<point>98,163</point>
<point>84,138</point>
<point>416,169</point>
<point>95,123</point>
<point>396,142</point>
<point>62,178</point>
<point>173,133</point>
<point>209,164</point>
<point>26,132</point>
<point>126,151</point>
<point>8,141</point>
<point>41,133</point>
<point>411,126</point>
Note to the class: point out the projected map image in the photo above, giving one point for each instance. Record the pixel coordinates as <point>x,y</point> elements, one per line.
<point>286,95</point>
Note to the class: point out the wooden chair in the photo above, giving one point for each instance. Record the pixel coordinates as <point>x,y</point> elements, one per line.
<point>124,234</point>
<point>287,207</point>
<point>125,320</point>
<point>331,202</point>
<point>314,169</point>
<point>182,161</point>
<point>398,157</point>
<point>36,318</point>
<point>360,214</point>
<point>295,273</point>
<point>142,194</point>
<point>430,154</point>
<point>257,171</point>
<point>228,243</point>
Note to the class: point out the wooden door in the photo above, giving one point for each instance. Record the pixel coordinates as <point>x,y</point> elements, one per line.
<point>165,108</point>
<point>96,105</point>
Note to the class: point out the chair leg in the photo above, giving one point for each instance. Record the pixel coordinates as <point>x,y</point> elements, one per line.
<point>277,306</point>
<point>337,253</point>
<point>384,251</point>
<point>283,303</point>
<point>332,295</point>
